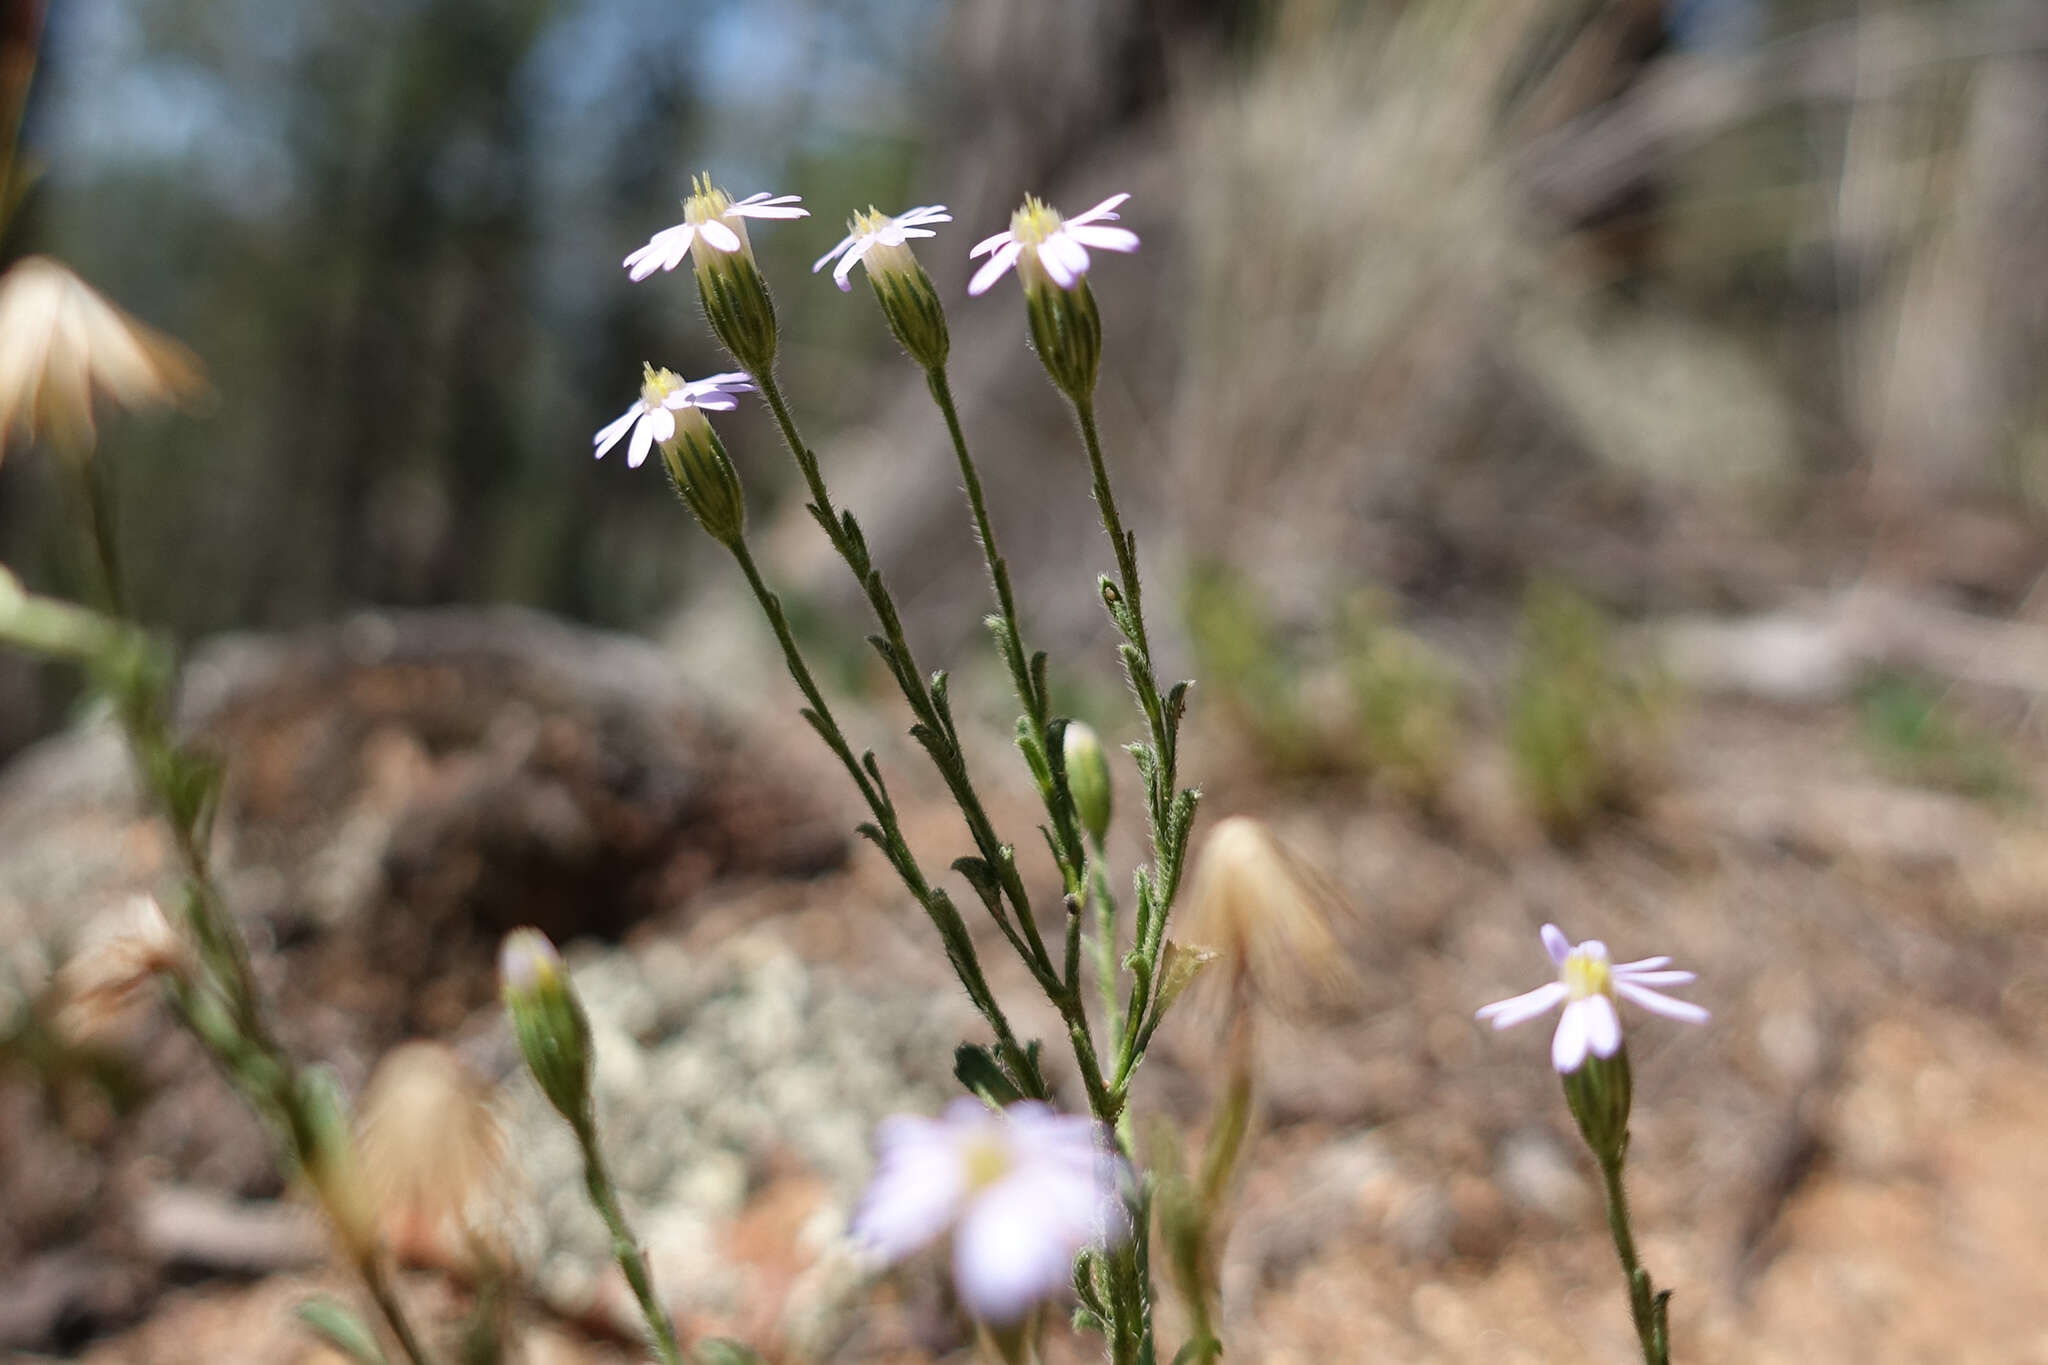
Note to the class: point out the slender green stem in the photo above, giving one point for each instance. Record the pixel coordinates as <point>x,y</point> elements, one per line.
<point>386,1300</point>
<point>1037,705</point>
<point>934,722</point>
<point>1026,673</point>
<point>889,835</point>
<point>1646,1308</point>
<point>247,1051</point>
<point>1106,973</point>
<point>1169,811</point>
<point>1121,541</point>
<point>626,1248</point>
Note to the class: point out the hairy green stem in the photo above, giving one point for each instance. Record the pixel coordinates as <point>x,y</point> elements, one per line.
<point>1031,691</point>
<point>626,1249</point>
<point>1645,1306</point>
<point>247,1050</point>
<point>381,1294</point>
<point>1163,798</point>
<point>934,722</point>
<point>889,836</point>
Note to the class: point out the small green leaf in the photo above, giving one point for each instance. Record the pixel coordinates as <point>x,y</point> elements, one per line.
<point>976,1069</point>
<point>339,1327</point>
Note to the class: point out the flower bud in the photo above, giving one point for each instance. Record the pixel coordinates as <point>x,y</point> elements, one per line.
<point>908,300</point>
<point>729,283</point>
<point>1599,1093</point>
<point>553,1033</point>
<point>1087,778</point>
<point>705,477</point>
<point>1066,331</point>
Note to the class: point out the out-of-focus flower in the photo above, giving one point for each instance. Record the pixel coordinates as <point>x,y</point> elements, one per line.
<point>1023,1190</point>
<point>881,241</point>
<point>104,985</point>
<point>1042,245</point>
<point>663,394</point>
<point>433,1156</point>
<point>60,341</point>
<point>713,218</point>
<point>1266,916</point>
<point>1587,985</point>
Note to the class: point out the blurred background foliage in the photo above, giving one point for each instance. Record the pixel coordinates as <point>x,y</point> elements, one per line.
<point>1680,303</point>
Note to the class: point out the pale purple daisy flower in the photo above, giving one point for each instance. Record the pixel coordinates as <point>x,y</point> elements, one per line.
<point>662,396</point>
<point>1040,242</point>
<point>879,239</point>
<point>1587,985</point>
<point>1023,1190</point>
<point>713,218</point>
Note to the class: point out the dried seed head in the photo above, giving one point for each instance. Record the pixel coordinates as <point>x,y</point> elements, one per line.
<point>1265,915</point>
<point>60,341</point>
<point>433,1157</point>
<point>106,984</point>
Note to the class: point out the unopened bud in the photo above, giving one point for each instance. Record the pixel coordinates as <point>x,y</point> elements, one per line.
<point>1599,1094</point>
<point>553,1033</point>
<point>705,477</point>
<point>908,300</point>
<point>1087,778</point>
<point>1066,331</point>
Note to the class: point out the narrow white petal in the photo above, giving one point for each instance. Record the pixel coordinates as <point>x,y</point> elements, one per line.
<point>915,1193</point>
<point>923,213</point>
<point>1603,1025</point>
<point>989,243</point>
<point>1062,274</point>
<point>904,233</point>
<point>1069,252</point>
<point>1556,944</point>
<point>771,209</point>
<point>728,379</point>
<point>844,242</point>
<point>1641,964</point>
<point>1105,238</point>
<point>643,437</point>
<point>719,403</point>
<point>662,423</point>
<point>720,236</point>
<point>992,270</point>
<point>757,197</point>
<point>1522,1008</point>
<point>609,437</point>
<point>1568,1044</point>
<point>1104,210</point>
<point>1670,978</point>
<point>1682,1010</point>
<point>841,271</point>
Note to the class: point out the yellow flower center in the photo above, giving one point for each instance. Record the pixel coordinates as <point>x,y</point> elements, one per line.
<point>706,201</point>
<point>1035,222</point>
<point>1587,974</point>
<point>867,224</point>
<point>985,1161</point>
<point>657,384</point>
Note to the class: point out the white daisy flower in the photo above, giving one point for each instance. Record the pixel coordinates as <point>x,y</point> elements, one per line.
<point>1023,1190</point>
<point>715,219</point>
<point>881,241</point>
<point>662,396</point>
<point>1040,242</point>
<point>1587,985</point>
